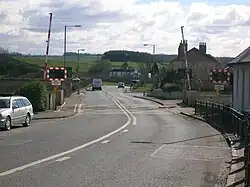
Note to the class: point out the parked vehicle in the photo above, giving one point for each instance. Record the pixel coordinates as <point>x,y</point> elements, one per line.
<point>96,84</point>
<point>121,85</point>
<point>15,110</point>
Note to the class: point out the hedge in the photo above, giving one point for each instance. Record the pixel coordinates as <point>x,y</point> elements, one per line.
<point>36,92</point>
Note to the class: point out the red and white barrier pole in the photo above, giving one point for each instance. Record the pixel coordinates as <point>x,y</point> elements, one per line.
<point>47,48</point>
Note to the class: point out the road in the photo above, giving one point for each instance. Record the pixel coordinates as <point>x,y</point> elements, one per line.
<point>115,140</point>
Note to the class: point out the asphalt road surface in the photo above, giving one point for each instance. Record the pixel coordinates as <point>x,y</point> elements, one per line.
<point>115,140</point>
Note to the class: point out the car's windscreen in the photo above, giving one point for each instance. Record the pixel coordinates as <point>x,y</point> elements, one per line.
<point>97,81</point>
<point>4,103</point>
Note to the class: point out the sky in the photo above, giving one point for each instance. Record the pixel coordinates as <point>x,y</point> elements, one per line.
<point>125,25</point>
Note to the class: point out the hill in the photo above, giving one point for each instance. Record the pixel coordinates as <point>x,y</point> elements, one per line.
<point>85,61</point>
<point>11,67</point>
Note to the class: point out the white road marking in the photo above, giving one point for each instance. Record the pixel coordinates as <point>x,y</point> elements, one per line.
<point>63,158</point>
<point>105,141</point>
<point>60,107</point>
<point>79,108</point>
<point>8,172</point>
<point>126,130</point>
<point>127,111</point>
<point>158,149</point>
<point>75,107</point>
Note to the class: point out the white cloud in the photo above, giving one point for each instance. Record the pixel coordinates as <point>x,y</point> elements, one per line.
<point>119,24</point>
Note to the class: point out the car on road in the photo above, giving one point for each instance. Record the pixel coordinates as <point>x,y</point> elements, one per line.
<point>96,84</point>
<point>15,110</point>
<point>121,85</point>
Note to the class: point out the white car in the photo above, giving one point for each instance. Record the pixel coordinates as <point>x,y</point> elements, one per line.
<point>15,110</point>
<point>97,84</point>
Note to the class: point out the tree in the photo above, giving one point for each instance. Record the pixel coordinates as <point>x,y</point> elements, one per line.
<point>3,51</point>
<point>155,69</point>
<point>102,67</point>
<point>125,65</point>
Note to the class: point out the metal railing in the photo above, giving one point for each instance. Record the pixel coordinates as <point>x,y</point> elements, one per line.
<point>229,121</point>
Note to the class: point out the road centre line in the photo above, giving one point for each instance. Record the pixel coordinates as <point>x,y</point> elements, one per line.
<point>130,113</point>
<point>125,111</point>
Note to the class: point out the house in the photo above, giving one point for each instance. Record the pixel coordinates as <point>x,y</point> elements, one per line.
<point>241,80</point>
<point>121,72</point>
<point>199,62</point>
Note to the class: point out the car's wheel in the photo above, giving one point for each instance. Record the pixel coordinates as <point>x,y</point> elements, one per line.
<point>7,125</point>
<point>27,121</point>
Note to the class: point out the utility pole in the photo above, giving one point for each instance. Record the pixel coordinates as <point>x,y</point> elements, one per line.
<point>185,58</point>
<point>64,51</point>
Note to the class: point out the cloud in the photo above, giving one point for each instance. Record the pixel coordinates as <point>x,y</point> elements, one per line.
<point>115,24</point>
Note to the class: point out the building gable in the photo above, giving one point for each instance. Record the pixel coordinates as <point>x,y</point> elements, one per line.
<point>243,57</point>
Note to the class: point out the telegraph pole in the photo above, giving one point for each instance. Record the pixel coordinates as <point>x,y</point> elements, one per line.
<point>185,58</point>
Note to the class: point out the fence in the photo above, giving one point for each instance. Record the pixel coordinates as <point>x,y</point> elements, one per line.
<point>230,121</point>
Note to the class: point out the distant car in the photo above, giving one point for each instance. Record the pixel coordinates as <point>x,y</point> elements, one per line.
<point>121,85</point>
<point>15,110</point>
<point>96,84</point>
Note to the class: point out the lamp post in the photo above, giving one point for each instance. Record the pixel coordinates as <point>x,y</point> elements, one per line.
<point>65,31</point>
<point>153,46</point>
<point>78,58</point>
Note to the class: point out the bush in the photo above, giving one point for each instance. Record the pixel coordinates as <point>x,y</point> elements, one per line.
<point>171,88</point>
<point>36,92</point>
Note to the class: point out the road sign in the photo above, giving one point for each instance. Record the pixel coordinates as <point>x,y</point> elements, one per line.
<point>219,87</point>
<point>56,83</point>
<point>220,76</point>
<point>56,73</point>
<point>55,89</point>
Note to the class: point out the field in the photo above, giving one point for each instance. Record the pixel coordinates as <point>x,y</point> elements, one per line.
<point>85,62</point>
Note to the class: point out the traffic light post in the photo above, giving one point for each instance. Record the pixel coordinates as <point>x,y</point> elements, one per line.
<point>56,75</point>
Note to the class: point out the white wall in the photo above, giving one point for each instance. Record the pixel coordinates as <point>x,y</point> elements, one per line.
<point>241,87</point>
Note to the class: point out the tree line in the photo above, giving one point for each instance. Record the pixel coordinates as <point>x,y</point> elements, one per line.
<point>124,56</point>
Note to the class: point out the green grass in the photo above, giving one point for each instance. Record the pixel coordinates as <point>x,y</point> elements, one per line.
<point>85,62</point>
<point>144,88</point>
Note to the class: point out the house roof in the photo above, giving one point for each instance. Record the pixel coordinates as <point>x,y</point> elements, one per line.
<point>243,57</point>
<point>194,49</point>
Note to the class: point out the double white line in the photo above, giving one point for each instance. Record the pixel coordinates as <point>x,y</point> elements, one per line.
<point>129,114</point>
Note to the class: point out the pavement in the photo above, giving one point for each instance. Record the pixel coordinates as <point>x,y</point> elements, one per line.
<point>67,109</point>
<point>237,170</point>
<point>114,140</point>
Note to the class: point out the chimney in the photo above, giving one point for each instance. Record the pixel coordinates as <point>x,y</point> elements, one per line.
<point>203,47</point>
<point>181,48</point>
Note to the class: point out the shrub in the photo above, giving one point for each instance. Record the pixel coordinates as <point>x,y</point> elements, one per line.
<point>171,88</point>
<point>36,92</point>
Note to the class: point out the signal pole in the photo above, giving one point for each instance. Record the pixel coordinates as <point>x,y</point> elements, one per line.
<point>185,58</point>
